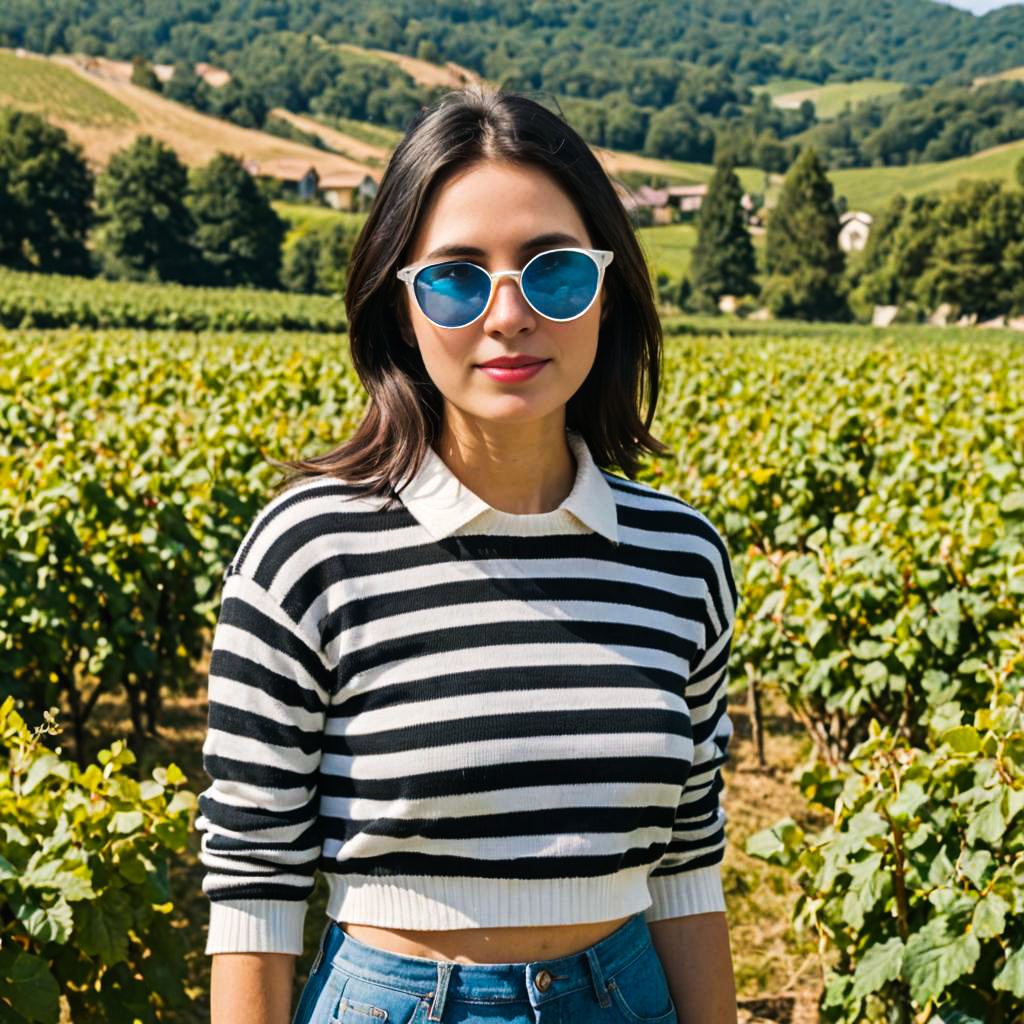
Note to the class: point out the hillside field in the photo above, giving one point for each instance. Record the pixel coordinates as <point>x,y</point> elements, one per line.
<point>829,100</point>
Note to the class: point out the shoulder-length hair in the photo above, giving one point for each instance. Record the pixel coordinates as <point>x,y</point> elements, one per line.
<point>614,406</point>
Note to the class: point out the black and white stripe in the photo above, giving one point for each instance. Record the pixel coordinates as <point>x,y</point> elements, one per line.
<point>501,708</point>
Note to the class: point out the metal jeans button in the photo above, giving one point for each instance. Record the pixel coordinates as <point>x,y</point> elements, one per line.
<point>542,981</point>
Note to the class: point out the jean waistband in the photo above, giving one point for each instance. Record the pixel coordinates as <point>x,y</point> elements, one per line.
<point>509,982</point>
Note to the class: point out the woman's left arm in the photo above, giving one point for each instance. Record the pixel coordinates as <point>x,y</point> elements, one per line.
<point>695,955</point>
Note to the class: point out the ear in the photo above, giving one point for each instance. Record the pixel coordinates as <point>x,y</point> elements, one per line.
<point>605,305</point>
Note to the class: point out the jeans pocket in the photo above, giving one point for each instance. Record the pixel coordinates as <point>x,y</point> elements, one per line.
<point>365,1002</point>
<point>640,990</point>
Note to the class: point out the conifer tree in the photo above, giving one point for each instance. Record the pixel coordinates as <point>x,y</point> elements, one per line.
<point>238,233</point>
<point>145,228</point>
<point>723,261</point>
<point>45,196</point>
<point>802,255</point>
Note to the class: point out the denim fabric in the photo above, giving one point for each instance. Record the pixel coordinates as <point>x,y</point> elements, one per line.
<point>619,979</point>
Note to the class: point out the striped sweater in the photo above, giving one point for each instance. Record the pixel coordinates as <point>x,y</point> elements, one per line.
<point>465,717</point>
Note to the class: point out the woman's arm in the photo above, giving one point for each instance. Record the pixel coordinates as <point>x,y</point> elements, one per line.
<point>251,988</point>
<point>695,955</point>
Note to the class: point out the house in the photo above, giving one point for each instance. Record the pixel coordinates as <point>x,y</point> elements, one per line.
<point>299,178</point>
<point>653,199</point>
<point>348,190</point>
<point>854,228</point>
<point>687,199</point>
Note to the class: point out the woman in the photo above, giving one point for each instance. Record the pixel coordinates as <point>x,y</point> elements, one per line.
<point>473,678</point>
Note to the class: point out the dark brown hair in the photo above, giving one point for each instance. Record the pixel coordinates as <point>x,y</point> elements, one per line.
<point>403,415</point>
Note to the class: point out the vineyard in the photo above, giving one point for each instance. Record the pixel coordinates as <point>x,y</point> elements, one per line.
<point>870,487</point>
<point>43,300</point>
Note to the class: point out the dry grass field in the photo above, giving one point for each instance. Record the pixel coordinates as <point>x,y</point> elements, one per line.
<point>90,98</point>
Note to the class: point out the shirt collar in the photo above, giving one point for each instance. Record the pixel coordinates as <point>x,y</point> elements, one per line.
<point>442,504</point>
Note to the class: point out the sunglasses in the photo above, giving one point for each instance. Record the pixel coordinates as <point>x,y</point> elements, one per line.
<point>560,284</point>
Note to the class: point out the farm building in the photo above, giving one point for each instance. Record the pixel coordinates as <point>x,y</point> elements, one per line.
<point>687,199</point>
<point>348,190</point>
<point>854,228</point>
<point>299,178</point>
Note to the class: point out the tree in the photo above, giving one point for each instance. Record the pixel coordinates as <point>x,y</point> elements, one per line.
<point>46,192</point>
<point>977,261</point>
<point>1020,172</point>
<point>185,86</point>
<point>144,75</point>
<point>723,261</point>
<point>238,234</point>
<point>802,254</point>
<point>145,227</point>
<point>676,133</point>
<point>317,261</point>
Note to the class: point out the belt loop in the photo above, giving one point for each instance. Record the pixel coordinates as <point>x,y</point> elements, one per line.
<point>444,973</point>
<point>600,988</point>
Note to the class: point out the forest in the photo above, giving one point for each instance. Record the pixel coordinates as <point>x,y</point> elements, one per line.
<point>563,46</point>
<point>675,81</point>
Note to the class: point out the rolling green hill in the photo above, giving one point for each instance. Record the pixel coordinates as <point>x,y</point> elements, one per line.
<point>871,188</point>
<point>829,100</point>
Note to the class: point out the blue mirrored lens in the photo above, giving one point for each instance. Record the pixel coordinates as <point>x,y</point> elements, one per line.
<point>452,294</point>
<point>561,284</point>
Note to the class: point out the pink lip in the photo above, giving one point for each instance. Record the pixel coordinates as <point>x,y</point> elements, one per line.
<point>505,361</point>
<point>509,374</point>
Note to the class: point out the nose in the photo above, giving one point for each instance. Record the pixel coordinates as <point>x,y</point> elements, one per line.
<point>509,312</point>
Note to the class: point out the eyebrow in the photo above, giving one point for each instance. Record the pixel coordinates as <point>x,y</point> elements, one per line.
<point>551,238</point>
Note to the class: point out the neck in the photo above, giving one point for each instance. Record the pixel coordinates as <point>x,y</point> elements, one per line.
<point>522,468</point>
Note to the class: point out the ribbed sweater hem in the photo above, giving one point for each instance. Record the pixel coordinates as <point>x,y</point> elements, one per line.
<point>693,892</point>
<point>256,926</point>
<point>433,902</point>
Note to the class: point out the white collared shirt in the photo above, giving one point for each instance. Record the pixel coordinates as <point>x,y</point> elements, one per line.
<point>445,507</point>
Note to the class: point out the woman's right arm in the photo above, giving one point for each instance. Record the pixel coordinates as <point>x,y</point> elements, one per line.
<point>269,690</point>
<point>251,988</point>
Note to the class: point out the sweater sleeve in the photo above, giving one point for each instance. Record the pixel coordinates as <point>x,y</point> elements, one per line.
<point>269,688</point>
<point>687,878</point>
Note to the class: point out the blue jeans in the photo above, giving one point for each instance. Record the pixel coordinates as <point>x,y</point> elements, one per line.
<point>619,979</point>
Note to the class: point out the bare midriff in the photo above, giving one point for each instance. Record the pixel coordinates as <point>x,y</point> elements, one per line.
<point>487,945</point>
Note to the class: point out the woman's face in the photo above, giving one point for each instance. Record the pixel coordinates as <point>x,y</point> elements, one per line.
<point>499,215</point>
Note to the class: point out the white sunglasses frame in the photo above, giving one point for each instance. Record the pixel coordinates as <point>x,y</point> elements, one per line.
<point>602,257</point>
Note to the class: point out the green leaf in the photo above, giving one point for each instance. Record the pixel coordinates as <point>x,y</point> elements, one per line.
<point>47,921</point>
<point>964,739</point>
<point>1011,977</point>
<point>990,916</point>
<point>776,844</point>
<point>868,884</point>
<point>934,959</point>
<point>41,767</point>
<point>7,869</point>
<point>974,864</point>
<point>940,870</point>
<point>150,789</point>
<point>943,628</point>
<point>27,984</point>
<point>1012,504</point>
<point>183,800</point>
<point>910,799</point>
<point>989,823</point>
<point>101,928</point>
<point>126,822</point>
<point>879,964</point>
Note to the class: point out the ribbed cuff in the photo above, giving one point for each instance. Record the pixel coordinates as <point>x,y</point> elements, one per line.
<point>256,926</point>
<point>689,892</point>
